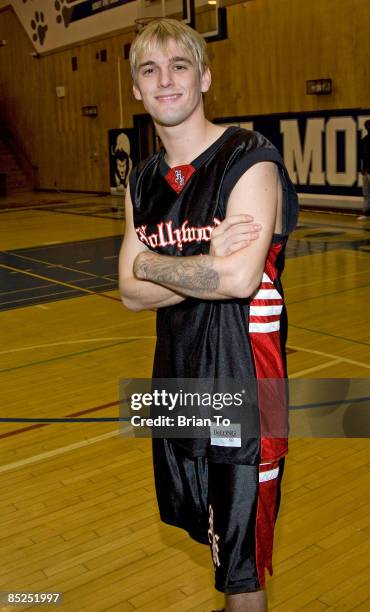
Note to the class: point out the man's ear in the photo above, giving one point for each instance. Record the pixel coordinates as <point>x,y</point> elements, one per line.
<point>206,80</point>
<point>136,92</point>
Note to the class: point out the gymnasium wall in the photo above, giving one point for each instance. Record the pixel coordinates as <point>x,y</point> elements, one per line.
<point>273,47</point>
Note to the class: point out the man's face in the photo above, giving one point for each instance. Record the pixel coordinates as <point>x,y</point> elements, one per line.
<point>169,84</point>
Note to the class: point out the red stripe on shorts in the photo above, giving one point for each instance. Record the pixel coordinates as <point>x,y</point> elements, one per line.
<point>265,521</point>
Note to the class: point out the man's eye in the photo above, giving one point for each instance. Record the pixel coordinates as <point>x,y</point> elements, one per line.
<point>179,67</point>
<point>148,71</point>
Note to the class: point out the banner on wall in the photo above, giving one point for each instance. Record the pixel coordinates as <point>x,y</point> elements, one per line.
<point>55,23</point>
<point>123,156</point>
<point>80,10</point>
<point>321,149</point>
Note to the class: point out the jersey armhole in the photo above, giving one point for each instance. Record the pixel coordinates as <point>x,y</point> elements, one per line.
<point>132,183</point>
<point>290,200</point>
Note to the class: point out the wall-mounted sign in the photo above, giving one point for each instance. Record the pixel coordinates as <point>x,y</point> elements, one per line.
<point>319,87</point>
<point>320,148</point>
<point>80,10</point>
<point>89,111</point>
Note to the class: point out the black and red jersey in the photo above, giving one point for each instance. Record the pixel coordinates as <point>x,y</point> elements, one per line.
<point>175,211</point>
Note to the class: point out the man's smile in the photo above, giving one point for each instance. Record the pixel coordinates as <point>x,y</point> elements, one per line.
<point>168,97</point>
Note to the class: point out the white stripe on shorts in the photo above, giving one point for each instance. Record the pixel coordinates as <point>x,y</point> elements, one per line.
<point>269,475</point>
<point>264,328</point>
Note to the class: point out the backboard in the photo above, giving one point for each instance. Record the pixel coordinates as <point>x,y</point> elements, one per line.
<point>206,16</point>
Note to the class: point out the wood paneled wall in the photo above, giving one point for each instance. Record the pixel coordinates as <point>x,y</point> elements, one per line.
<point>273,47</point>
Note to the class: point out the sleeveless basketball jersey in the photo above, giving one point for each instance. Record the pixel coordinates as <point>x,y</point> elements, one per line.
<point>175,211</point>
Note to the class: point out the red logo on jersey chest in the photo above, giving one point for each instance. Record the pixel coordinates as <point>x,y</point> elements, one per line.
<point>178,176</point>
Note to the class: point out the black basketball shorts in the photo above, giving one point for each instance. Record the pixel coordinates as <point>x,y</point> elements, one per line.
<point>232,508</point>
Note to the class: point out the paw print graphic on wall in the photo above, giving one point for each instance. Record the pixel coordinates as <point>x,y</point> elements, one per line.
<point>39,27</point>
<point>64,12</point>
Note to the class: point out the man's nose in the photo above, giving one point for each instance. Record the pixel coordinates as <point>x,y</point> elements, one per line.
<point>165,78</point>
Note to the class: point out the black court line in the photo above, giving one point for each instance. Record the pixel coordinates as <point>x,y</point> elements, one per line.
<point>320,226</point>
<point>316,243</point>
<point>33,204</point>
<point>299,247</point>
<point>12,207</point>
<point>64,267</point>
<point>73,289</point>
<point>102,214</point>
<point>38,425</point>
<point>77,291</point>
<point>51,420</point>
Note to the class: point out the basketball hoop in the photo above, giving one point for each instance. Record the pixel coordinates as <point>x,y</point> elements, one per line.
<point>141,22</point>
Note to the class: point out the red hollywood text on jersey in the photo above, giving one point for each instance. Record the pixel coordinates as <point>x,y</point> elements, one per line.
<point>168,235</point>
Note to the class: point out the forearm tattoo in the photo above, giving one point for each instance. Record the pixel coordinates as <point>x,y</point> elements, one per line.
<point>194,273</point>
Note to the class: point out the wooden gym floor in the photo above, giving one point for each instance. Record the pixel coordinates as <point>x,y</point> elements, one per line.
<point>78,510</point>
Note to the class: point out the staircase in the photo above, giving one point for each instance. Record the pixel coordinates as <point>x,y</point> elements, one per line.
<point>16,179</point>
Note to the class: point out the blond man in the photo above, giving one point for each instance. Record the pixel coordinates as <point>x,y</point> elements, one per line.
<point>207,222</point>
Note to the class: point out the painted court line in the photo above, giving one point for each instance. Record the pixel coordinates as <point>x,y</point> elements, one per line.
<point>56,282</point>
<point>328,335</point>
<point>58,451</point>
<point>345,359</point>
<point>321,281</point>
<point>28,301</point>
<point>15,432</point>
<point>317,368</point>
<point>82,341</point>
<point>330,293</point>
<point>22,290</point>
<point>61,266</point>
<point>59,357</point>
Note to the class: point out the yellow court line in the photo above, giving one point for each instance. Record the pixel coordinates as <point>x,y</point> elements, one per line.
<point>57,451</point>
<point>345,359</point>
<point>20,290</point>
<point>51,280</point>
<point>118,338</point>
<point>318,282</point>
<point>82,341</point>
<point>60,266</point>
<point>322,366</point>
<point>31,299</point>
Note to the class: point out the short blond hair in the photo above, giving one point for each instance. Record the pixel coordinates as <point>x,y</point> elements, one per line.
<point>159,32</point>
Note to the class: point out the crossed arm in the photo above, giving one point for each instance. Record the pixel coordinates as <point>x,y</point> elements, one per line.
<point>236,261</point>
